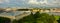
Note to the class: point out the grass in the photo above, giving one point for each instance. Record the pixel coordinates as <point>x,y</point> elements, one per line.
<point>57,17</point>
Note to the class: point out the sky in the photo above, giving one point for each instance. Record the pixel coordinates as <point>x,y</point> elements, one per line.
<point>29,3</point>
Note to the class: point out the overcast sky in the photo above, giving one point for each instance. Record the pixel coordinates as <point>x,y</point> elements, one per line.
<point>29,3</point>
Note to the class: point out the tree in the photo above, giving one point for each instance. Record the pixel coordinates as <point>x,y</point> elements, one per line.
<point>51,19</point>
<point>44,17</point>
<point>14,21</point>
<point>58,20</point>
<point>27,19</point>
<point>36,16</point>
<point>4,20</point>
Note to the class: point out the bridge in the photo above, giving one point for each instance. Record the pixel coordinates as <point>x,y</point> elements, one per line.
<point>11,17</point>
<point>17,17</point>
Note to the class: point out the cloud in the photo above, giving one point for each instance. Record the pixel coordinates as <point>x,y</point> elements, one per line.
<point>38,3</point>
<point>33,2</point>
<point>2,1</point>
<point>28,3</point>
<point>7,1</point>
<point>44,2</point>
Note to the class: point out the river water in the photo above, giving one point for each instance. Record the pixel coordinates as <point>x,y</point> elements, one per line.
<point>14,13</point>
<point>21,12</point>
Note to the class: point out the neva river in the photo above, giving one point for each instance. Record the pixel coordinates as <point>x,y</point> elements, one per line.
<point>21,12</point>
<point>12,13</point>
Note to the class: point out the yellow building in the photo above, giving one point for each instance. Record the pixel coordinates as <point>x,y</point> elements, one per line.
<point>35,10</point>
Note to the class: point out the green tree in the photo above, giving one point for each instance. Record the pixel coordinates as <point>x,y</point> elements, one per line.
<point>58,20</point>
<point>27,19</point>
<point>4,20</point>
<point>44,17</point>
<point>36,16</point>
<point>14,21</point>
<point>51,19</point>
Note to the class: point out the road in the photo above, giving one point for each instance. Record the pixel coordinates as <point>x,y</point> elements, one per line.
<point>15,17</point>
<point>21,16</point>
<point>11,17</point>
